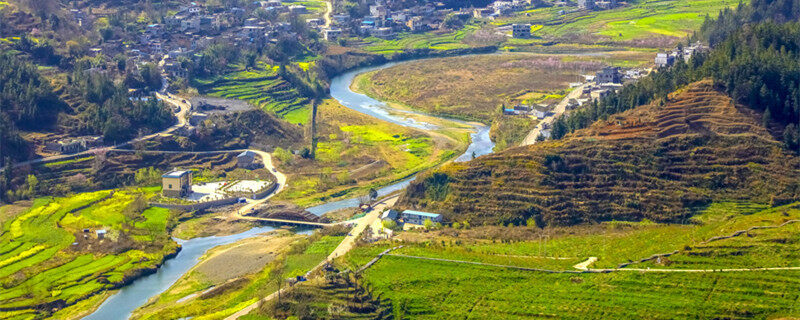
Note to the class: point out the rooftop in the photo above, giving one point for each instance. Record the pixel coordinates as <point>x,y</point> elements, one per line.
<point>420,213</point>
<point>175,174</point>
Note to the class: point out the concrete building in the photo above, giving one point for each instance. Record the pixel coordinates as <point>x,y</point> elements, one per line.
<point>522,30</point>
<point>664,60</point>
<point>419,217</point>
<point>415,24</point>
<point>331,34</point>
<point>608,75</point>
<point>482,13</point>
<point>176,184</point>
<point>384,32</point>
<point>246,159</point>
<point>586,4</point>
<point>298,9</point>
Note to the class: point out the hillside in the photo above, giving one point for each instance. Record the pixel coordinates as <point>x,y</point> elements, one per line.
<point>657,162</point>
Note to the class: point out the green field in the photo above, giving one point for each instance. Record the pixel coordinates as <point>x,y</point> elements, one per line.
<point>47,261</point>
<point>261,87</point>
<point>644,20</point>
<point>436,289</point>
<point>428,40</point>
<point>356,152</point>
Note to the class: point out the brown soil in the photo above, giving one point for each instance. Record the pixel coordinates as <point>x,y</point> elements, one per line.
<point>250,255</point>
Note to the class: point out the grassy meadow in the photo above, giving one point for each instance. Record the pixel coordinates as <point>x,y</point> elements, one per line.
<point>48,262</point>
<point>455,290</point>
<point>472,87</point>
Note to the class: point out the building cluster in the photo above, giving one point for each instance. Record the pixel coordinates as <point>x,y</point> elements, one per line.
<point>192,29</point>
<point>666,59</point>
<point>74,145</point>
<point>609,80</point>
<point>387,17</point>
<point>597,5</point>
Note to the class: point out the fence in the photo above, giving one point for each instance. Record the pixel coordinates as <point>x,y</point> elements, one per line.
<point>197,206</point>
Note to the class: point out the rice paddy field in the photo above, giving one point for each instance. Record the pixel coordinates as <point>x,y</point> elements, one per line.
<point>261,87</point>
<point>430,289</point>
<point>51,256</point>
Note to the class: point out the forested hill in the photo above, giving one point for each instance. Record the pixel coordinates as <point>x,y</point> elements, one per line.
<point>730,21</point>
<point>28,103</point>
<point>89,104</point>
<point>659,162</point>
<point>757,63</point>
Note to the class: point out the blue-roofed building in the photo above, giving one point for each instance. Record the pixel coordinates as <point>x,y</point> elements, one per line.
<point>176,184</point>
<point>419,217</point>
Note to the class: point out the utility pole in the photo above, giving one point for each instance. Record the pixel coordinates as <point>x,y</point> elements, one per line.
<point>313,133</point>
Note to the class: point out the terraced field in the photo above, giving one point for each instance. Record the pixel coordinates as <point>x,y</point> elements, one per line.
<point>657,163</point>
<point>49,262</point>
<point>405,41</point>
<point>116,169</point>
<point>262,87</point>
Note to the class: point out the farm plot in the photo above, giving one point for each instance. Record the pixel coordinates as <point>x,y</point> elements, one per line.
<point>453,290</point>
<point>262,87</point>
<point>51,257</point>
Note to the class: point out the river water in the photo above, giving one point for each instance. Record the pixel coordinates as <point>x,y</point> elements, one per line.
<point>130,297</point>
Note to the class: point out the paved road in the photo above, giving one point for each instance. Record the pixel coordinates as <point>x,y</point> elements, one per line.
<point>560,108</point>
<point>343,247</point>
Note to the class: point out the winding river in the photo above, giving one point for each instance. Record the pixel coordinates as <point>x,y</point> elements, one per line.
<point>130,297</point>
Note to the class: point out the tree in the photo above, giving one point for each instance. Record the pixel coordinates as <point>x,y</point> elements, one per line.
<point>31,182</point>
<point>428,224</point>
<point>373,194</point>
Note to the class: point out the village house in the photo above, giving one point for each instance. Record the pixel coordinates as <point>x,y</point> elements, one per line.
<point>586,4</point>
<point>608,75</point>
<point>415,24</point>
<point>664,59</point>
<point>389,215</point>
<point>419,217</point>
<point>384,32</point>
<point>331,34</point>
<point>522,30</point>
<point>482,13</point>
<point>298,9</point>
<point>176,184</point>
<point>74,145</point>
<point>246,159</point>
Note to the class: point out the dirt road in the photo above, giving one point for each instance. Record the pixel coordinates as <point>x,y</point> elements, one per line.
<point>328,12</point>
<point>343,247</point>
<point>181,115</point>
<point>560,108</point>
